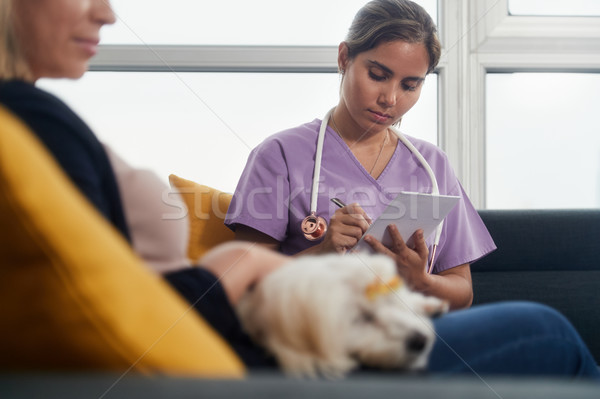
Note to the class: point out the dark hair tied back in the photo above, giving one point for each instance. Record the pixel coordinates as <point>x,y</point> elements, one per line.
<point>382,21</point>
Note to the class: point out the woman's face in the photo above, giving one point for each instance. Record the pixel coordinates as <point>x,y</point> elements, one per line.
<point>380,85</point>
<point>58,37</point>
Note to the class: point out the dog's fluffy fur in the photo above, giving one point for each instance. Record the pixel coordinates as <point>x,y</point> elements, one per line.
<point>315,317</point>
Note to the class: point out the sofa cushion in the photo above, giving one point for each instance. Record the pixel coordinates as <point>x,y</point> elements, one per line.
<point>542,239</point>
<point>207,208</point>
<point>547,256</point>
<point>73,295</point>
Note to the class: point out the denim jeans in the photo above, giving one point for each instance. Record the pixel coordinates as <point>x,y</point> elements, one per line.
<point>510,338</point>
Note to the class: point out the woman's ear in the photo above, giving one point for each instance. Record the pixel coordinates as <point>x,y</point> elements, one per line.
<point>342,57</point>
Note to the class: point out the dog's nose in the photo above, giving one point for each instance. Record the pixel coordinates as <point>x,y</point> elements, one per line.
<point>416,342</point>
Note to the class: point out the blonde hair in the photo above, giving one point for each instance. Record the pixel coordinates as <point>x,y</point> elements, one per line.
<point>12,61</point>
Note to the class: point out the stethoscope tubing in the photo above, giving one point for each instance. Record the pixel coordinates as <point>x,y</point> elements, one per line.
<point>318,156</point>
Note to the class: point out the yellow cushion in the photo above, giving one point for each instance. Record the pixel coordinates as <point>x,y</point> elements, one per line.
<point>207,208</point>
<point>73,295</point>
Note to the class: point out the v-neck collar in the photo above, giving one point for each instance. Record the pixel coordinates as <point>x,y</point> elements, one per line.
<point>357,162</point>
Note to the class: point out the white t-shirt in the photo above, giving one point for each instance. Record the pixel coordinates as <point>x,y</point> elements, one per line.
<point>155,215</point>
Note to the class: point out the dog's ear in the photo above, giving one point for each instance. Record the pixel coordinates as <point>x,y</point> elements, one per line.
<point>379,287</point>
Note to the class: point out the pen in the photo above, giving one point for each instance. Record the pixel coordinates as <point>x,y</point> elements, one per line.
<point>338,202</point>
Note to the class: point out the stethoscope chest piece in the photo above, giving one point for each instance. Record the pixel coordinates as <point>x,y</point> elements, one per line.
<point>314,227</point>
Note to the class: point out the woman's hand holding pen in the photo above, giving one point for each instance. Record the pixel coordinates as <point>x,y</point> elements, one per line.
<point>346,227</point>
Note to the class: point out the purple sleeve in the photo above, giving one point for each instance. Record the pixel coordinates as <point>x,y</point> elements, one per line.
<point>464,237</point>
<point>261,197</point>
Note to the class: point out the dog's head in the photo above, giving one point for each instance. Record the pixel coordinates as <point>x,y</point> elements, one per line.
<point>327,314</point>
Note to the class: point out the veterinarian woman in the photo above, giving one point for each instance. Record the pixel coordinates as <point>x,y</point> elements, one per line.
<point>390,48</point>
<point>56,39</point>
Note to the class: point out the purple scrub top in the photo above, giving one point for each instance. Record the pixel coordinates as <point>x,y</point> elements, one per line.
<point>273,194</point>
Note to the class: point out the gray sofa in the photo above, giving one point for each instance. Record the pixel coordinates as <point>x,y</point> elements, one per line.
<point>547,256</point>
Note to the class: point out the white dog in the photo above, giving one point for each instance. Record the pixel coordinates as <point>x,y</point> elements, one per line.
<point>326,315</point>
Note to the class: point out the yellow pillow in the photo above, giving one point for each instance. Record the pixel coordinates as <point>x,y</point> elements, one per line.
<point>207,208</point>
<point>73,295</point>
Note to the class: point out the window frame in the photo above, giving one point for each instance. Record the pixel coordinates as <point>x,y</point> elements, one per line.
<point>203,58</point>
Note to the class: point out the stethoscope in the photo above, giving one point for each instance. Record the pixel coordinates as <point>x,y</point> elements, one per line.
<point>314,227</point>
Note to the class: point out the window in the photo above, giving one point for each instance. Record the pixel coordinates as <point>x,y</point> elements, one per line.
<point>170,68</point>
<point>543,146</point>
<point>485,48</point>
<point>235,22</point>
<point>193,95</point>
<point>202,126</point>
<point>554,7</point>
